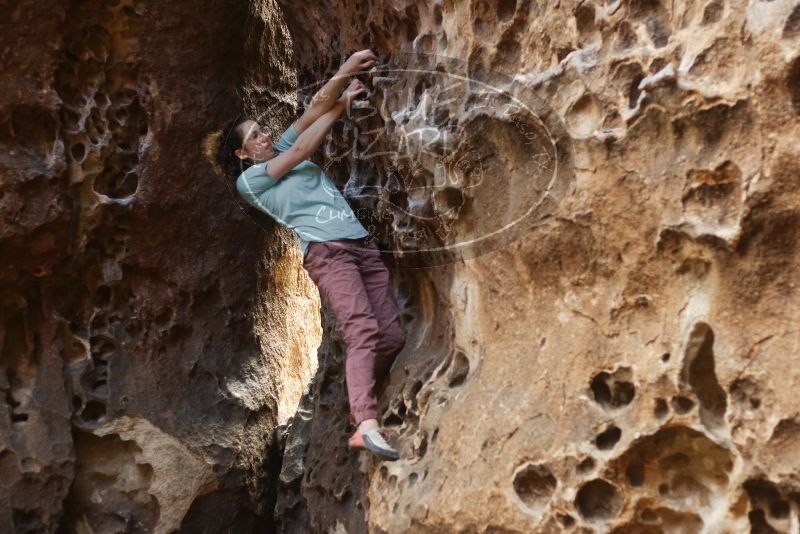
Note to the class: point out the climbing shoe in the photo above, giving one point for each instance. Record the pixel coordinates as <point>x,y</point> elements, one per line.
<point>374,441</point>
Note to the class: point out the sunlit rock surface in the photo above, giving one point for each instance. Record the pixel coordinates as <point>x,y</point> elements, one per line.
<point>625,360</point>
<point>593,239</point>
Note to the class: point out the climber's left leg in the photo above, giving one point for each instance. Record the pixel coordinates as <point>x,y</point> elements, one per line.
<point>377,283</point>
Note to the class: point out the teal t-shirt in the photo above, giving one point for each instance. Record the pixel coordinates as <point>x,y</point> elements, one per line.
<point>303,199</point>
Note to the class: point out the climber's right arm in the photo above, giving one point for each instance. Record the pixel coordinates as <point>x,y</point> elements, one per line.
<point>323,100</point>
<point>306,143</point>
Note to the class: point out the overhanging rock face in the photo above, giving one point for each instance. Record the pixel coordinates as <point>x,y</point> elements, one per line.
<point>621,359</point>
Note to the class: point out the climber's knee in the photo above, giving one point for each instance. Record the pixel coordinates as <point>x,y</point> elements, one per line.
<point>394,339</point>
<point>361,335</point>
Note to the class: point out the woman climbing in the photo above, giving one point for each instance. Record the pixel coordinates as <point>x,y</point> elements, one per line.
<point>278,179</point>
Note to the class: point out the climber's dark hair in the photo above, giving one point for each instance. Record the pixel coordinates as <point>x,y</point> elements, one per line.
<point>220,149</point>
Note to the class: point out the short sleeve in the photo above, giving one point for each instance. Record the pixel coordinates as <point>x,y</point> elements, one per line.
<point>252,183</point>
<point>286,140</point>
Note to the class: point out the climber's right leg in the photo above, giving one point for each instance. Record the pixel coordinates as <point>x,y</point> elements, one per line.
<point>334,268</point>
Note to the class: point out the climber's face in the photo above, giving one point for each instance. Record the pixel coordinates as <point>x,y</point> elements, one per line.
<point>256,144</point>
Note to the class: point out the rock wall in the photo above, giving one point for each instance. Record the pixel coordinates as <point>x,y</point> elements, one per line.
<point>621,356</point>
<point>153,333</point>
<point>590,210</point>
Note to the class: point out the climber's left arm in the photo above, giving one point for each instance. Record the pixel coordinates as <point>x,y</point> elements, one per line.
<point>326,97</point>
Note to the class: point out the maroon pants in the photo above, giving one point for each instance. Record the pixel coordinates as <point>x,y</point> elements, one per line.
<point>355,283</point>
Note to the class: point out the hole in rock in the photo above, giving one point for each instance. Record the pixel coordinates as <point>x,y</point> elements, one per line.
<point>424,82</point>
<point>393,420</point>
<point>101,368</point>
<point>634,91</point>
<point>116,183</point>
<point>78,151</point>
<point>713,195</point>
<point>586,465</point>
<point>745,392</point>
<point>93,411</point>
<point>534,485</point>
<point>598,500</point>
<point>648,516</point>
<point>657,64</point>
<point>102,296</point>
<point>34,127</point>
<point>508,52</point>
<point>401,409</point>
<point>793,84</point>
<point>506,9</point>
<point>607,439</point>
<point>99,322</point>
<point>100,388</point>
<point>785,437</point>
<point>414,389</point>
<point>759,523</point>
<point>712,12</point>
<point>661,409</point>
<point>665,357</point>
<point>771,508</point>
<point>612,120</point>
<point>792,26</point>
<point>613,390</point>
<point>698,371</point>
<point>19,417</point>
<point>412,31</point>
<point>566,520</point>
<point>164,317</point>
<point>635,474</point>
<point>422,447</point>
<point>459,370</point>
<point>71,119</point>
<point>563,51</point>
<point>584,116</point>
<point>678,462</point>
<point>682,405</point>
<point>779,509</point>
<point>655,18</point>
<point>626,37</point>
<point>97,121</point>
<point>584,18</point>
<point>450,202</point>
<point>101,346</point>
<point>101,99</point>
<point>766,497</point>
